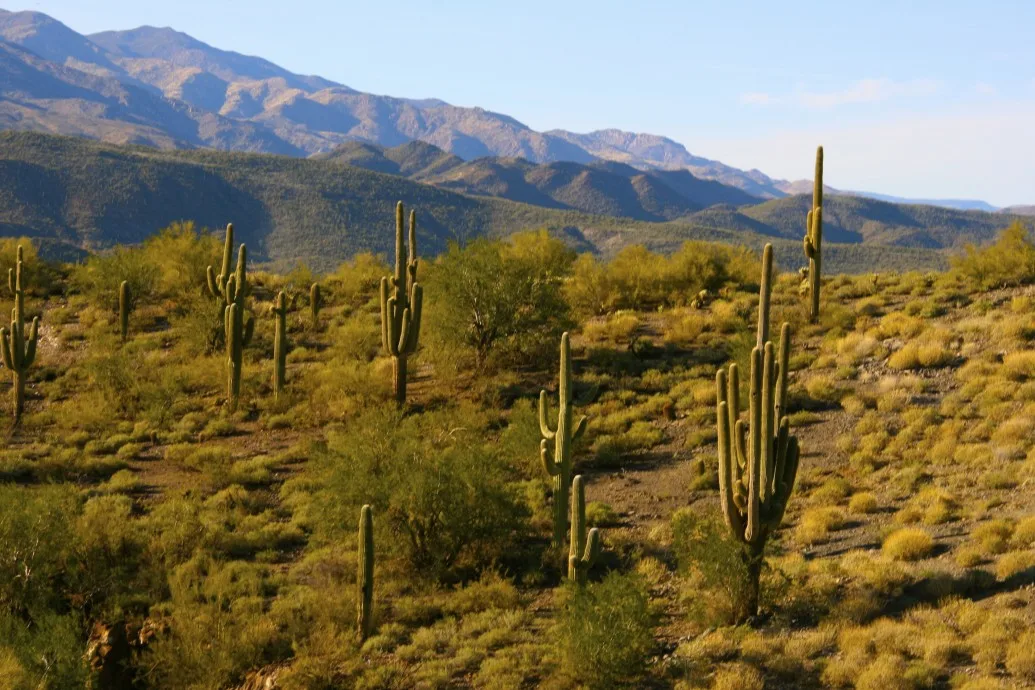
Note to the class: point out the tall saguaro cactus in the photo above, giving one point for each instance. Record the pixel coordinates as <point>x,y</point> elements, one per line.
<point>814,238</point>
<point>758,460</point>
<point>584,548</point>
<point>280,344</point>
<point>124,308</point>
<point>18,347</point>
<point>401,300</point>
<point>563,436</point>
<point>365,576</point>
<point>315,302</point>
<point>217,283</point>
<point>237,326</point>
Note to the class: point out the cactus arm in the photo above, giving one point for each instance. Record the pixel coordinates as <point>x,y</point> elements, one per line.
<point>404,333</point>
<point>210,276</point>
<point>544,416</point>
<point>400,249</point>
<point>580,428</point>
<point>782,370</point>
<point>767,466</point>
<point>416,309</point>
<point>30,343</point>
<point>764,297</point>
<point>248,331</point>
<point>552,468</point>
<point>385,316</point>
<point>592,551</point>
<point>5,346</point>
<point>412,263</point>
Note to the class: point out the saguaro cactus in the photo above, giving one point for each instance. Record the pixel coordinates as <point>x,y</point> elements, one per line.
<point>217,283</point>
<point>315,302</point>
<point>584,548</point>
<point>124,308</point>
<point>563,436</point>
<point>365,576</point>
<point>814,237</point>
<point>238,328</point>
<point>280,344</point>
<point>758,461</point>
<point>401,300</point>
<point>19,347</point>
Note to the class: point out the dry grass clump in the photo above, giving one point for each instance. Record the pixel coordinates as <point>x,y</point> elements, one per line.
<point>863,503</point>
<point>908,544</point>
<point>924,354</point>
<point>816,524</point>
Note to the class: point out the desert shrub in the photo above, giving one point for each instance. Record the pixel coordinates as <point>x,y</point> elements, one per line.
<point>711,556</point>
<point>441,496</point>
<point>605,631</point>
<point>498,300</point>
<point>1010,261</point>
<point>908,544</point>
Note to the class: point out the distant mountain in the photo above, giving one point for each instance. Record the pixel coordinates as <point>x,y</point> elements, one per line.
<point>601,187</point>
<point>71,194</point>
<point>1020,210</point>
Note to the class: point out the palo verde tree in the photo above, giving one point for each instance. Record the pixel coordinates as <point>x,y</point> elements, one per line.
<point>813,241</point>
<point>19,347</point>
<point>401,304</point>
<point>565,434</point>
<point>758,459</point>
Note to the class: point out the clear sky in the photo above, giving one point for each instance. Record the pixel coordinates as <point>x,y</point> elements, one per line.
<point>930,99</point>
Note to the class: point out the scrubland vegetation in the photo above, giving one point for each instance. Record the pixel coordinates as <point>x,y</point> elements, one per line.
<point>151,537</point>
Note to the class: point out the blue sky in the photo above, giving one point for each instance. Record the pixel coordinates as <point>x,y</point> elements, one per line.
<point>920,99</point>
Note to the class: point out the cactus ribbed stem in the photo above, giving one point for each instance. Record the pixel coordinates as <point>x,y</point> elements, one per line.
<point>563,436</point>
<point>402,298</point>
<point>280,345</point>
<point>238,327</point>
<point>584,547</point>
<point>365,576</point>
<point>18,347</point>
<point>315,302</point>
<point>814,238</point>
<point>124,307</point>
<point>752,509</point>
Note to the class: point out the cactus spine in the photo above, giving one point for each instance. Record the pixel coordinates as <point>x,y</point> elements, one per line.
<point>584,548</point>
<point>365,577</point>
<point>124,308</point>
<point>280,344</point>
<point>315,302</point>
<point>237,326</point>
<point>814,237</point>
<point>758,461</point>
<point>566,432</point>
<point>401,300</point>
<point>19,347</point>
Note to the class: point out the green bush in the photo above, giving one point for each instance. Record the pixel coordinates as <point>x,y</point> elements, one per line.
<point>708,554</point>
<point>1010,261</point>
<point>606,631</point>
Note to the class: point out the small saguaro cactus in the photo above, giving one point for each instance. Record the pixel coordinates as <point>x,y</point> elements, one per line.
<point>584,548</point>
<point>19,347</point>
<point>563,436</point>
<point>315,302</point>
<point>758,461</point>
<point>238,328</point>
<point>280,344</point>
<point>401,300</point>
<point>365,576</point>
<point>125,305</point>
<point>813,241</point>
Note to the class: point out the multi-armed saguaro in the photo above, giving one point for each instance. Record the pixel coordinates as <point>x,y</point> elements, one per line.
<point>230,289</point>
<point>567,431</point>
<point>124,308</point>
<point>280,344</point>
<point>365,576</point>
<point>758,461</point>
<point>19,347</point>
<point>814,238</point>
<point>401,299</point>
<point>584,548</point>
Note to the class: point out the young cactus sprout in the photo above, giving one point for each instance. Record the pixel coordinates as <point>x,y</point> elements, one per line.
<point>758,460</point>
<point>18,347</point>
<point>584,547</point>
<point>401,301</point>
<point>365,576</point>
<point>563,436</point>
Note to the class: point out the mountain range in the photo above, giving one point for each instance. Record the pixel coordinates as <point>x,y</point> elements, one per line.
<point>163,88</point>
